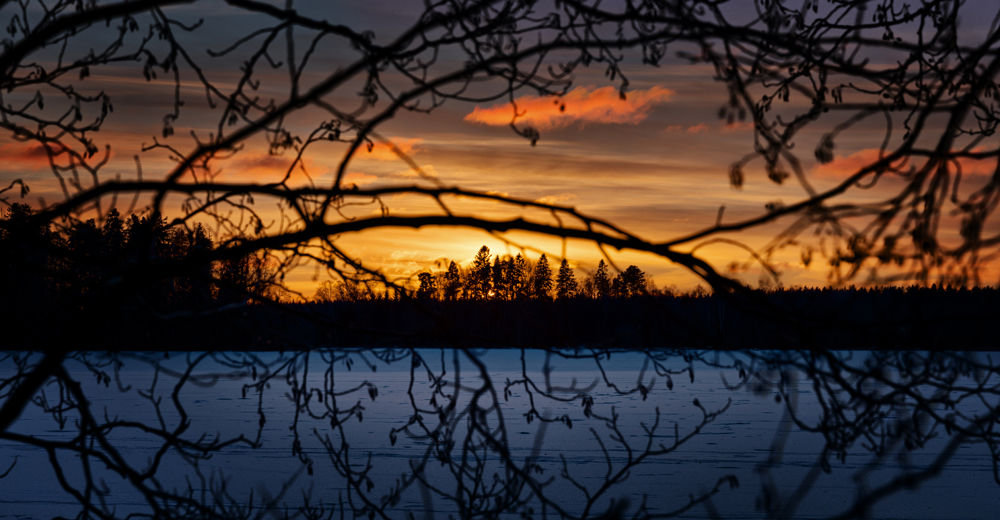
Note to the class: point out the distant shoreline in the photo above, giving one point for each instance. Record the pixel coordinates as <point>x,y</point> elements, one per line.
<point>844,319</point>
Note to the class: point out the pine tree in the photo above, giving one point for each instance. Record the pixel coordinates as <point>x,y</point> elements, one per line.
<point>510,278</point>
<point>25,288</point>
<point>145,236</point>
<point>452,282</point>
<point>245,278</point>
<point>201,286</point>
<point>114,237</point>
<point>631,282</point>
<point>85,241</point>
<point>616,288</point>
<point>499,279</point>
<point>542,280</point>
<point>480,276</point>
<point>426,289</point>
<point>519,276</point>
<point>587,287</point>
<point>566,286</point>
<point>602,283</point>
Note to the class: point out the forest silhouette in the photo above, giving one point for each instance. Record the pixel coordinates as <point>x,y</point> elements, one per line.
<point>69,282</point>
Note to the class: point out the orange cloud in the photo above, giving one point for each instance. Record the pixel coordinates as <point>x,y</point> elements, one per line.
<point>842,166</point>
<point>32,156</point>
<point>582,104</point>
<point>358,179</point>
<point>737,126</point>
<point>271,167</point>
<point>384,152</point>
<point>28,156</point>
<point>556,199</point>
<point>978,167</point>
<point>697,129</point>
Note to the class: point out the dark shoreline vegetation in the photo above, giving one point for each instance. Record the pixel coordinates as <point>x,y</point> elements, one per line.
<point>67,288</point>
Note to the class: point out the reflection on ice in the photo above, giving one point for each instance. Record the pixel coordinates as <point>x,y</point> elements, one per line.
<point>504,433</point>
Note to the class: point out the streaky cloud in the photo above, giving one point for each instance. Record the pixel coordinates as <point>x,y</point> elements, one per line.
<point>580,105</point>
<point>844,166</point>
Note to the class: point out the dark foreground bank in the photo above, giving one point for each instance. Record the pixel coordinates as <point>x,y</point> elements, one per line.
<point>886,318</point>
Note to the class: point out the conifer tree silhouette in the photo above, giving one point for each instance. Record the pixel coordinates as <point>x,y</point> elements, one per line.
<point>602,282</point>
<point>630,283</point>
<point>452,284</point>
<point>427,287</point>
<point>499,278</point>
<point>519,274</point>
<point>480,284</point>
<point>541,281</point>
<point>511,278</point>
<point>566,285</point>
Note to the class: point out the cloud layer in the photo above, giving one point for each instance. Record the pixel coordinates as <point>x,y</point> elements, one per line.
<point>358,179</point>
<point>582,104</point>
<point>25,156</point>
<point>845,166</point>
<point>384,152</point>
<point>263,167</point>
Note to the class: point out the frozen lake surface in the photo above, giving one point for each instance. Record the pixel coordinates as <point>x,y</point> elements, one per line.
<point>507,433</point>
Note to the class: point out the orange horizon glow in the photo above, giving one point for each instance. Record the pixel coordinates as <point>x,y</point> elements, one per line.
<point>655,163</point>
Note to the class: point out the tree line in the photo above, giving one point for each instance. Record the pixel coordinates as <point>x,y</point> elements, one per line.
<point>63,284</point>
<point>81,263</point>
<point>78,263</point>
<point>501,278</point>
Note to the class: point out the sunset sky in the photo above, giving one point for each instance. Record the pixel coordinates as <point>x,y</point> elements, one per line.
<point>655,163</point>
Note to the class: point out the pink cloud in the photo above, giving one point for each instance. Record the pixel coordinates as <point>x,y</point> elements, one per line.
<point>842,166</point>
<point>582,104</point>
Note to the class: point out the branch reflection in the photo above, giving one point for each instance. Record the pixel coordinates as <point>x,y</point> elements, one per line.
<point>464,433</point>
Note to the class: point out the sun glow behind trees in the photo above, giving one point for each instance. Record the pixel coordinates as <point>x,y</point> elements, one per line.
<point>504,278</point>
